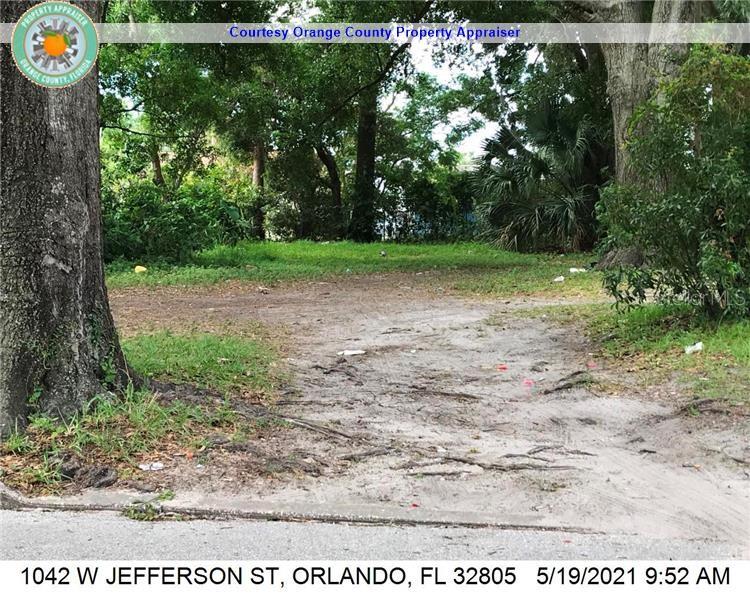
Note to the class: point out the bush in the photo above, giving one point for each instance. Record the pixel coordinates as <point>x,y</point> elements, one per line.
<point>689,213</point>
<point>282,220</point>
<point>538,186</point>
<point>143,220</point>
<point>430,208</point>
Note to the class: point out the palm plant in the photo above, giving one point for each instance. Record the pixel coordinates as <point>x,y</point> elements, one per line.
<point>538,184</point>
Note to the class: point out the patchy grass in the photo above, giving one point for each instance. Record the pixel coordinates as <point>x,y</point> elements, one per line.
<point>114,432</point>
<point>655,337</point>
<point>228,364</point>
<point>117,433</point>
<point>499,272</point>
<point>150,512</point>
<point>535,278</point>
<point>652,340</point>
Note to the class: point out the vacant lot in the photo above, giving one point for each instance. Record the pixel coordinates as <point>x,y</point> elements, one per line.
<point>473,393</point>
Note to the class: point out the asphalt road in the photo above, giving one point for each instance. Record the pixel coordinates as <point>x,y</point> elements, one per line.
<point>29,535</point>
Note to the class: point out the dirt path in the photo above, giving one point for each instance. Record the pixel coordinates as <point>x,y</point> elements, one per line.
<point>426,424</point>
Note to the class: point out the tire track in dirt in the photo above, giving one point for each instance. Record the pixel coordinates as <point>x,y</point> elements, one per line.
<point>433,423</point>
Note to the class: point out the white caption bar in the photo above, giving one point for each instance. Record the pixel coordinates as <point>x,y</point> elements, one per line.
<point>498,33</point>
<point>582,576</point>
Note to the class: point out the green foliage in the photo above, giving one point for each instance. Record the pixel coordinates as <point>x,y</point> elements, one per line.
<point>478,268</point>
<point>657,334</point>
<point>537,198</point>
<point>111,431</point>
<point>434,207</point>
<point>300,206</point>
<point>690,212</point>
<point>145,221</point>
<point>424,193</point>
<point>539,178</point>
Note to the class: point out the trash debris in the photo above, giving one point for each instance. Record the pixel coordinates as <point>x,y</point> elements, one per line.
<point>575,270</point>
<point>414,505</point>
<point>156,466</point>
<point>140,269</point>
<point>559,279</point>
<point>591,365</point>
<point>694,348</point>
<point>352,352</point>
<point>383,253</point>
<point>501,367</point>
<point>528,382</point>
<point>263,290</point>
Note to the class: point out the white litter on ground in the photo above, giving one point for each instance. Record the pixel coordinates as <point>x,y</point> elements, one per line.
<point>694,348</point>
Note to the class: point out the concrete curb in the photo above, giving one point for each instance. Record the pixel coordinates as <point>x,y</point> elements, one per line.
<point>120,501</point>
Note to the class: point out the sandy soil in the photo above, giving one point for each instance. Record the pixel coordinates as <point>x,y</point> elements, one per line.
<point>459,406</point>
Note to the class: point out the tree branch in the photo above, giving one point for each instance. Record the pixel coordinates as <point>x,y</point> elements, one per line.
<point>383,71</point>
<point>141,133</point>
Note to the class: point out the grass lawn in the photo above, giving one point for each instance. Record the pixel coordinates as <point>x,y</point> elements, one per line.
<point>474,267</point>
<point>121,432</point>
<point>228,364</point>
<point>652,340</point>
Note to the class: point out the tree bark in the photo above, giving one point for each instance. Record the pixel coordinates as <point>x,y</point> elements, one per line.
<point>334,182</point>
<point>259,171</point>
<point>57,336</point>
<point>634,70</point>
<point>259,164</point>
<point>156,163</point>
<point>362,224</point>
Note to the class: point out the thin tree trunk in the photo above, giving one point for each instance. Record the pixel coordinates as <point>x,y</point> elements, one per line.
<point>259,171</point>
<point>334,182</point>
<point>57,336</point>
<point>362,224</point>
<point>156,163</point>
<point>259,164</point>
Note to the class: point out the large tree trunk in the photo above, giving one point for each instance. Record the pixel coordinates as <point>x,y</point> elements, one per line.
<point>57,337</point>
<point>259,171</point>
<point>634,70</point>
<point>334,182</point>
<point>362,224</point>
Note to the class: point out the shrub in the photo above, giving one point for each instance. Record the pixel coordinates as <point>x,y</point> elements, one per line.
<point>689,213</point>
<point>538,185</point>
<point>438,207</point>
<point>143,220</point>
